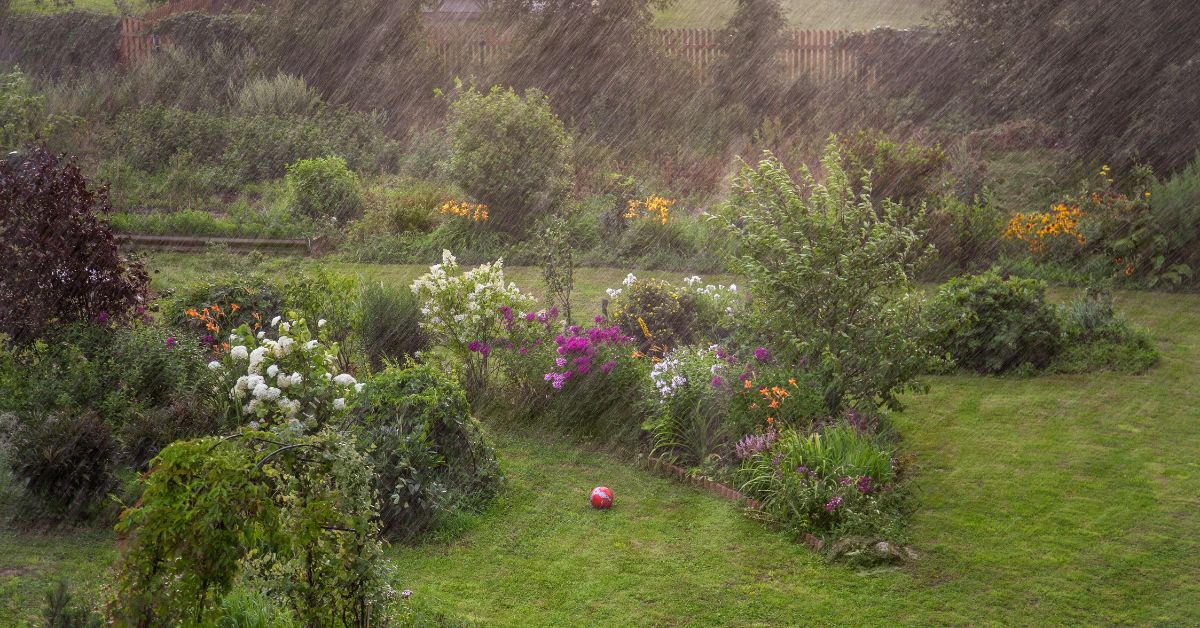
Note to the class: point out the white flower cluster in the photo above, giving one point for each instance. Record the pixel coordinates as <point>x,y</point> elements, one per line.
<point>684,366</point>
<point>285,376</point>
<point>613,293</point>
<point>464,307</point>
<point>709,289</point>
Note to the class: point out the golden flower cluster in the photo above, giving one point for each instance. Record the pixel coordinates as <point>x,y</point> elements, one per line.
<point>476,212</point>
<point>1035,228</point>
<point>654,208</point>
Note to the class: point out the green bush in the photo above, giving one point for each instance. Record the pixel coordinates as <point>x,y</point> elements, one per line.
<point>990,324</point>
<point>248,147</point>
<point>510,153</point>
<point>324,188</point>
<point>905,172</point>
<point>428,452</point>
<point>668,313</point>
<point>1097,338</point>
<point>831,277</point>
<point>66,460</point>
<point>283,95</point>
<point>388,324</point>
<point>404,208</point>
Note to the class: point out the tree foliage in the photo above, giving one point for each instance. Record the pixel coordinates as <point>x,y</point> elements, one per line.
<point>1096,68</point>
<point>831,277</point>
<point>60,261</point>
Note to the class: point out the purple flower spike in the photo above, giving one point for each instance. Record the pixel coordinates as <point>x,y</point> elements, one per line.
<point>170,342</point>
<point>762,355</point>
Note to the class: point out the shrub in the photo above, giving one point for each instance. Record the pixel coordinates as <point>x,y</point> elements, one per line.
<point>388,324</point>
<point>249,147</point>
<point>23,115</point>
<point>428,452</point>
<point>61,263</point>
<point>592,381</point>
<point>511,153</point>
<point>474,312</point>
<point>1097,338</point>
<point>66,462</point>
<point>657,314</point>
<point>905,172</point>
<point>410,207</point>
<point>283,95</point>
<point>324,187</point>
<point>830,274</point>
<point>990,324</point>
<point>292,380</point>
<point>836,481</point>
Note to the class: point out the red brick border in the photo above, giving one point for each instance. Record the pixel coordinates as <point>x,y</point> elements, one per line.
<point>659,464</point>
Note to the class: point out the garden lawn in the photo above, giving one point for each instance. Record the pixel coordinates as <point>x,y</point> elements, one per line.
<point>806,14</point>
<point>1053,500</point>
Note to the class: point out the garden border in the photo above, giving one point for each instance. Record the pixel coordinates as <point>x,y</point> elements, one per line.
<point>659,464</point>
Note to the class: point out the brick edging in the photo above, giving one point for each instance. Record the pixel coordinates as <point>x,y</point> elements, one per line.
<point>724,491</point>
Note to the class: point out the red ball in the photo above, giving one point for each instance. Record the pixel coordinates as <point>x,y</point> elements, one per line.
<point>602,497</point>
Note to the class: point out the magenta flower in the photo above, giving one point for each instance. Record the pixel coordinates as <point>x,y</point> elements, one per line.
<point>762,355</point>
<point>864,484</point>
<point>832,504</point>
<point>170,342</point>
<point>717,382</point>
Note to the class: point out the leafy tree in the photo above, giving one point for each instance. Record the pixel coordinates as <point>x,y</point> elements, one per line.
<point>1094,67</point>
<point>597,60</point>
<point>750,73</point>
<point>61,262</point>
<point>831,277</point>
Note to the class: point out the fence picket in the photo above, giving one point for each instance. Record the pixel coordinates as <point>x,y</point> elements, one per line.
<point>467,48</point>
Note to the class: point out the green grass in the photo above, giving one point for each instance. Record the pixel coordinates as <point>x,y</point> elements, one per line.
<point>1047,501</point>
<point>99,6</point>
<point>806,14</point>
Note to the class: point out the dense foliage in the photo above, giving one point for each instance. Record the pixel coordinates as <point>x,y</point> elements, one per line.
<point>61,262</point>
<point>511,153</point>
<point>991,324</point>
<point>831,276</point>
<point>324,187</point>
<point>428,452</point>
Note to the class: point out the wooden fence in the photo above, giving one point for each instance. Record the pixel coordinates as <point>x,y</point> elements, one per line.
<point>474,48</point>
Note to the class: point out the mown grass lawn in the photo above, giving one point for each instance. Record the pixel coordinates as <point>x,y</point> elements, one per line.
<point>1051,500</point>
<point>806,14</point>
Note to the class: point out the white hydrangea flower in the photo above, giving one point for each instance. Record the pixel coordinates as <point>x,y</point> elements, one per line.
<point>239,353</point>
<point>285,327</point>
<point>320,323</point>
<point>275,321</point>
<point>358,387</point>
<point>344,379</point>
<point>214,366</point>
<point>272,370</point>
<point>284,346</point>
<point>261,335</point>
<point>629,279</point>
<point>256,359</point>
<point>339,404</point>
